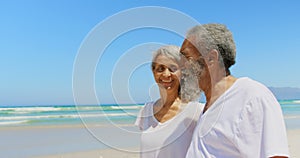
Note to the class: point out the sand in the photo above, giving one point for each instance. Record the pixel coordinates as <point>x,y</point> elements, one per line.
<point>104,153</point>
<point>293,138</point>
<point>65,141</point>
<point>294,142</point>
<point>76,142</point>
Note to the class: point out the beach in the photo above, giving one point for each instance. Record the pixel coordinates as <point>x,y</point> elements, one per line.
<point>68,141</point>
<point>76,142</point>
<point>87,131</point>
<point>294,142</point>
<point>293,139</point>
<point>105,153</point>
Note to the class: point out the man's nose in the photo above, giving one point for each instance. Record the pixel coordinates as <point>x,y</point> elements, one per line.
<point>182,62</point>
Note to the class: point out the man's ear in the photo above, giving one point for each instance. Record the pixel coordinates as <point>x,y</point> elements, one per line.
<point>213,57</point>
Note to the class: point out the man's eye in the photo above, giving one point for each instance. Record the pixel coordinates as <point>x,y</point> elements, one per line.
<point>185,55</point>
<point>182,54</point>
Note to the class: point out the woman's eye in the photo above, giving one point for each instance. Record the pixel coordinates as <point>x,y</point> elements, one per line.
<point>160,69</point>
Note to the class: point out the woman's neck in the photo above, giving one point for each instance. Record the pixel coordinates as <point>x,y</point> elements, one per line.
<point>167,107</point>
<point>167,99</point>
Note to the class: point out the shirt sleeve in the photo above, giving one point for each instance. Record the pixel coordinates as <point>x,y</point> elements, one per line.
<point>261,130</point>
<point>143,117</point>
<point>274,137</point>
<point>139,119</point>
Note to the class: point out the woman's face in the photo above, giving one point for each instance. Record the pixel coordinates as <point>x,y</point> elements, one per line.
<point>167,73</point>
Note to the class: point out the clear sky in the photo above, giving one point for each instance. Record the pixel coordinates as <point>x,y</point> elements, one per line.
<point>40,41</point>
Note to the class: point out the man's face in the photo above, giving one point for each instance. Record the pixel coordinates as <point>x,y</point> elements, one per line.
<point>191,57</point>
<point>191,54</point>
<point>192,64</point>
<point>189,51</point>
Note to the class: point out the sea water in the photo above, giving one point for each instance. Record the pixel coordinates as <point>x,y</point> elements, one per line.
<point>291,113</point>
<point>67,114</point>
<point>101,114</point>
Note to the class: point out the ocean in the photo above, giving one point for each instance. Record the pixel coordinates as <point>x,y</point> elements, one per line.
<point>66,114</point>
<point>95,114</point>
<point>291,113</point>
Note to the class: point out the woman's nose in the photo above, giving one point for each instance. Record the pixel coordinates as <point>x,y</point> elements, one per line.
<point>167,73</point>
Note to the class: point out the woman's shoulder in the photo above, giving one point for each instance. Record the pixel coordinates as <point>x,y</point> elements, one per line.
<point>148,106</point>
<point>144,118</point>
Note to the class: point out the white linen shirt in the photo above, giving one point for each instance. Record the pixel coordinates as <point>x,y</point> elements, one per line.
<point>245,122</point>
<point>170,139</point>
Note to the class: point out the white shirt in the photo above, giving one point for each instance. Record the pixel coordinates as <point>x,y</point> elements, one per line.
<point>170,139</point>
<point>245,122</point>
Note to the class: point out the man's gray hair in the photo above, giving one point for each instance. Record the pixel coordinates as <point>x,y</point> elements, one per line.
<point>214,36</point>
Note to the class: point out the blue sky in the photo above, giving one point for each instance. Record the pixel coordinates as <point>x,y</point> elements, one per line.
<point>40,41</point>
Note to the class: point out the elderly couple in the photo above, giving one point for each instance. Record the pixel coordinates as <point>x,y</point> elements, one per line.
<point>240,119</point>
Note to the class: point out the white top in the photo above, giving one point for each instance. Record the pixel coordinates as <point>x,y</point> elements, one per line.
<point>245,122</point>
<point>170,139</point>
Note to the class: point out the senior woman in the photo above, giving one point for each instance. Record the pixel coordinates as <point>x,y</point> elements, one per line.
<point>167,124</point>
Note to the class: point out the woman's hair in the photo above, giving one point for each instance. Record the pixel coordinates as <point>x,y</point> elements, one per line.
<point>170,51</point>
<point>188,89</point>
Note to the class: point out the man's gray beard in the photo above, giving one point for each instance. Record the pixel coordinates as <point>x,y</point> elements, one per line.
<point>190,90</point>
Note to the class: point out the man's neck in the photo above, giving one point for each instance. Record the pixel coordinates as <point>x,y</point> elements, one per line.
<point>217,90</point>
